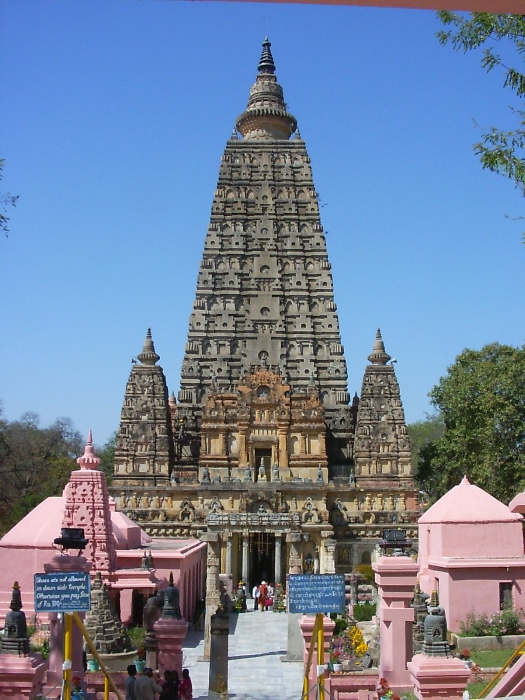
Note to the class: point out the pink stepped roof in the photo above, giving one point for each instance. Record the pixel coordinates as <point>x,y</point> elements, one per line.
<point>467,503</point>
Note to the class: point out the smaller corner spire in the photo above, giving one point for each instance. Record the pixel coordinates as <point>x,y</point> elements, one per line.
<point>148,356</point>
<point>89,460</point>
<point>379,356</point>
<point>266,64</point>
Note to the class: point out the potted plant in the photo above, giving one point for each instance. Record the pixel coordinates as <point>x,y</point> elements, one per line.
<point>336,648</point>
<point>140,661</point>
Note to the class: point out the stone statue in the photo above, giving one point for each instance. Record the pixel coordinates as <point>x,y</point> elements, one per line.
<point>206,475</point>
<point>171,601</point>
<point>152,611</point>
<point>15,640</point>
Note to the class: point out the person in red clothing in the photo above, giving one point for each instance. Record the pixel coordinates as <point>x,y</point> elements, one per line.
<point>185,687</point>
<point>263,594</point>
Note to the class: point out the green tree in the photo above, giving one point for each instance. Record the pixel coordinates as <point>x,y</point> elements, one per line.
<point>482,401</point>
<point>6,200</point>
<point>422,432</point>
<point>107,456</point>
<point>34,463</point>
<point>499,150</point>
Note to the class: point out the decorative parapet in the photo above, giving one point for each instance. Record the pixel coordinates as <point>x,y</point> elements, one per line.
<point>281,520</point>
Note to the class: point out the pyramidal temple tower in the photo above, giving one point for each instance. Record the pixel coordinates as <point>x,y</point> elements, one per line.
<point>264,290</point>
<point>263,455</point>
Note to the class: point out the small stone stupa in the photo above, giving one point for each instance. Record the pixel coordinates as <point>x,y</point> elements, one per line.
<point>15,639</point>
<point>21,671</point>
<point>102,623</point>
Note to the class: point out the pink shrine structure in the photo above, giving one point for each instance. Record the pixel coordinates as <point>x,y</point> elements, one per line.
<point>471,552</point>
<point>132,564</point>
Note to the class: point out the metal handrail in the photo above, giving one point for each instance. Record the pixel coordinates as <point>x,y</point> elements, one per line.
<point>108,681</point>
<point>517,652</point>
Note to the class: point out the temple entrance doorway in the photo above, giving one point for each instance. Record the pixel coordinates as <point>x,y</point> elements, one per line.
<point>262,558</point>
<point>263,458</point>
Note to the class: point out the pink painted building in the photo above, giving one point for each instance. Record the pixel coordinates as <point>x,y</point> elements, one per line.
<point>132,564</point>
<point>471,552</point>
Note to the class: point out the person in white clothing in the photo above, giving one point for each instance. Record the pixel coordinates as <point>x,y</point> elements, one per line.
<point>255,596</point>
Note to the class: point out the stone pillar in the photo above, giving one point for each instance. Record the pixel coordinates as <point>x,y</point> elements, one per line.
<point>295,561</point>
<point>218,678</point>
<point>126,596</point>
<point>212,584</point>
<point>396,578</point>
<point>278,558</point>
<point>61,563</point>
<point>329,553</point>
<point>245,555</point>
<point>306,624</point>
<point>170,634</point>
<point>229,547</point>
<point>283,447</point>
<point>243,456</point>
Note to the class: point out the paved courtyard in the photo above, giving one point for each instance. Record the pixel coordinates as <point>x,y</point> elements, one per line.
<point>257,645</point>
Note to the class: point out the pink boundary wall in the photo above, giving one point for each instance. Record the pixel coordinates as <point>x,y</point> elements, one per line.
<point>116,548</point>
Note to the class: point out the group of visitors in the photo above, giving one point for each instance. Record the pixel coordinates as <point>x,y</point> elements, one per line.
<point>262,596</point>
<point>145,687</point>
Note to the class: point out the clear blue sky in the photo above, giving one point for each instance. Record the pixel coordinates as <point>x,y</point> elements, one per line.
<point>113,118</point>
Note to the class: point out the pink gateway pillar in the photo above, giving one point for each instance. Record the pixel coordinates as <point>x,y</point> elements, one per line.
<point>396,578</point>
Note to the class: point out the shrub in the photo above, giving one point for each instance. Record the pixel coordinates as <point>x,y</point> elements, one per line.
<point>364,612</point>
<point>507,621</point>
<point>137,636</point>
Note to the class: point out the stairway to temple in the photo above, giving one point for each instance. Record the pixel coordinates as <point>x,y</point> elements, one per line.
<point>257,645</point>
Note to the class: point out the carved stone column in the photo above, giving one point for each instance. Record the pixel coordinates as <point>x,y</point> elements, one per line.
<point>295,561</point>
<point>245,554</point>
<point>278,558</point>
<point>212,584</point>
<point>243,456</point>
<point>283,448</point>
<point>329,553</point>
<point>229,547</point>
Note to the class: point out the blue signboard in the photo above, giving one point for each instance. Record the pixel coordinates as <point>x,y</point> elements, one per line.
<point>62,592</point>
<point>316,593</point>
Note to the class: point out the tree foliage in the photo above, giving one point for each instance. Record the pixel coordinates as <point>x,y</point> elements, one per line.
<point>6,200</point>
<point>422,432</point>
<point>107,457</point>
<point>499,150</point>
<point>34,463</point>
<point>482,401</point>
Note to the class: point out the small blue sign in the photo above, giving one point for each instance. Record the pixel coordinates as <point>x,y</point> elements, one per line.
<point>316,593</point>
<point>62,592</point>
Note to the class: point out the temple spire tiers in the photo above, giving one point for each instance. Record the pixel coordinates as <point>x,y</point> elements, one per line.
<point>144,449</point>
<point>382,446</point>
